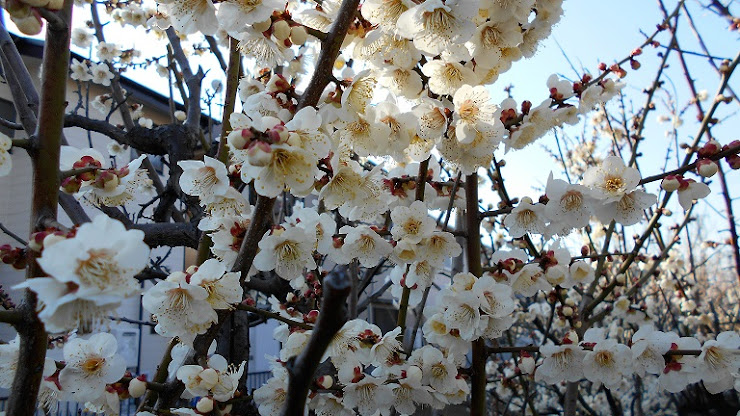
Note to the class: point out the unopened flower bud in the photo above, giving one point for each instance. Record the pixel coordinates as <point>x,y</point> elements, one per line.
<point>281,30</point>
<point>298,35</point>
<point>205,405</point>
<point>733,161</point>
<point>180,115</point>
<point>137,387</point>
<point>567,311</point>
<point>671,183</point>
<point>325,382</point>
<point>259,154</point>
<point>262,26</point>
<point>71,185</point>
<point>621,279</point>
<point>107,180</point>
<point>706,168</point>
<point>526,365</point>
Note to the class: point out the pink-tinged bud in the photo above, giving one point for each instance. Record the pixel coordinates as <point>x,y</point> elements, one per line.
<point>634,64</point>
<point>636,52</point>
<point>87,162</point>
<point>238,139</point>
<point>732,144</point>
<point>205,405</point>
<point>706,168</point>
<point>137,387</point>
<point>107,180</point>
<point>36,242</point>
<point>278,134</point>
<point>71,185</point>
<point>733,161</point>
<point>602,66</point>
<point>124,171</point>
<point>325,382</point>
<point>311,316</point>
<point>259,154</point>
<point>711,148</point>
<point>277,83</point>
<point>671,183</point>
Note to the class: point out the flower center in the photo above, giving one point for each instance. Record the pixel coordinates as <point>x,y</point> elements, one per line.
<point>614,184</point>
<point>367,243</point>
<point>412,226</point>
<point>571,200</point>
<point>469,111</point>
<point>438,20</point>
<point>99,270</point>
<point>604,358</point>
<point>526,217</point>
<point>93,365</point>
<point>287,250</point>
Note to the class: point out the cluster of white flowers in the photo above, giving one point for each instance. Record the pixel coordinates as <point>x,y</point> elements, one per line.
<point>185,303</point>
<point>373,374</point>
<point>609,192</point>
<point>469,309</point>
<point>676,361</point>
<point>416,90</point>
<point>89,373</point>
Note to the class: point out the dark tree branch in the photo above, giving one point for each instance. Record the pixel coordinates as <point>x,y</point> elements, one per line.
<point>169,234</point>
<point>45,161</point>
<point>333,315</point>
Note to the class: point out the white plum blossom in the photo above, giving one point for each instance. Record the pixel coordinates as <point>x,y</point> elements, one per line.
<point>287,251</point>
<point>568,206</point>
<point>224,289</point>
<point>692,191</point>
<point>608,362</point>
<point>180,308</point>
<point>411,224</point>
<point>561,362</point>
<point>207,180</point>
<point>369,395</point>
<point>190,16</point>
<point>100,74</point>
<point>90,274</point>
<point>473,114</point>
<point>234,15</point>
<point>365,245</point>
<point>611,180</point>
<point>434,25</point>
<point>90,365</point>
<point>648,347</point>
<point>526,218</point>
